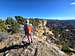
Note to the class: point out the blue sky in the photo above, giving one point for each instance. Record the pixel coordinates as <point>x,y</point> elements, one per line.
<point>51,9</point>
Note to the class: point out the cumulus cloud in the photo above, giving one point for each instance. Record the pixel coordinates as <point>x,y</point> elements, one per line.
<point>73,3</point>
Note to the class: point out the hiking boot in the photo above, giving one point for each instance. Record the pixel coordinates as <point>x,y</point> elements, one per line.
<point>23,42</point>
<point>31,41</point>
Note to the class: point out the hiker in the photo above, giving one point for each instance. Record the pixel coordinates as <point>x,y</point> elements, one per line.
<point>28,31</point>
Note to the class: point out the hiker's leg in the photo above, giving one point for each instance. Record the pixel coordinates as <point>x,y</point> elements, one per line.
<point>28,38</point>
<point>31,38</point>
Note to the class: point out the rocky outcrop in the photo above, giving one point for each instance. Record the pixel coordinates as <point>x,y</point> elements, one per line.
<point>40,47</point>
<point>42,44</point>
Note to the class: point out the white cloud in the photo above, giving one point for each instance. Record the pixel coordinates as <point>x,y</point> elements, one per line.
<point>60,18</point>
<point>73,3</point>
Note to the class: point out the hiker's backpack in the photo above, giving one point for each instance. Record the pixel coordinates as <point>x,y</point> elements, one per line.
<point>28,28</point>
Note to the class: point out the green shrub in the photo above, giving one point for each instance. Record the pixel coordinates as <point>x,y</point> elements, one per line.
<point>15,27</point>
<point>2,26</point>
<point>66,48</point>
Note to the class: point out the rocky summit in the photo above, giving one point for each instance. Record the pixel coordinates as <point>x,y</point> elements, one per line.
<point>52,38</point>
<point>13,46</point>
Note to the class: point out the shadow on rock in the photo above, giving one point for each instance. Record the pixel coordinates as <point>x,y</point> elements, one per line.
<point>14,47</point>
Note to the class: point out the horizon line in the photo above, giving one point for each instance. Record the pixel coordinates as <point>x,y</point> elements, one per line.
<point>51,18</point>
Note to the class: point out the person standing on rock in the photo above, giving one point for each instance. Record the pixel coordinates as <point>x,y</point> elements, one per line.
<point>28,31</point>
